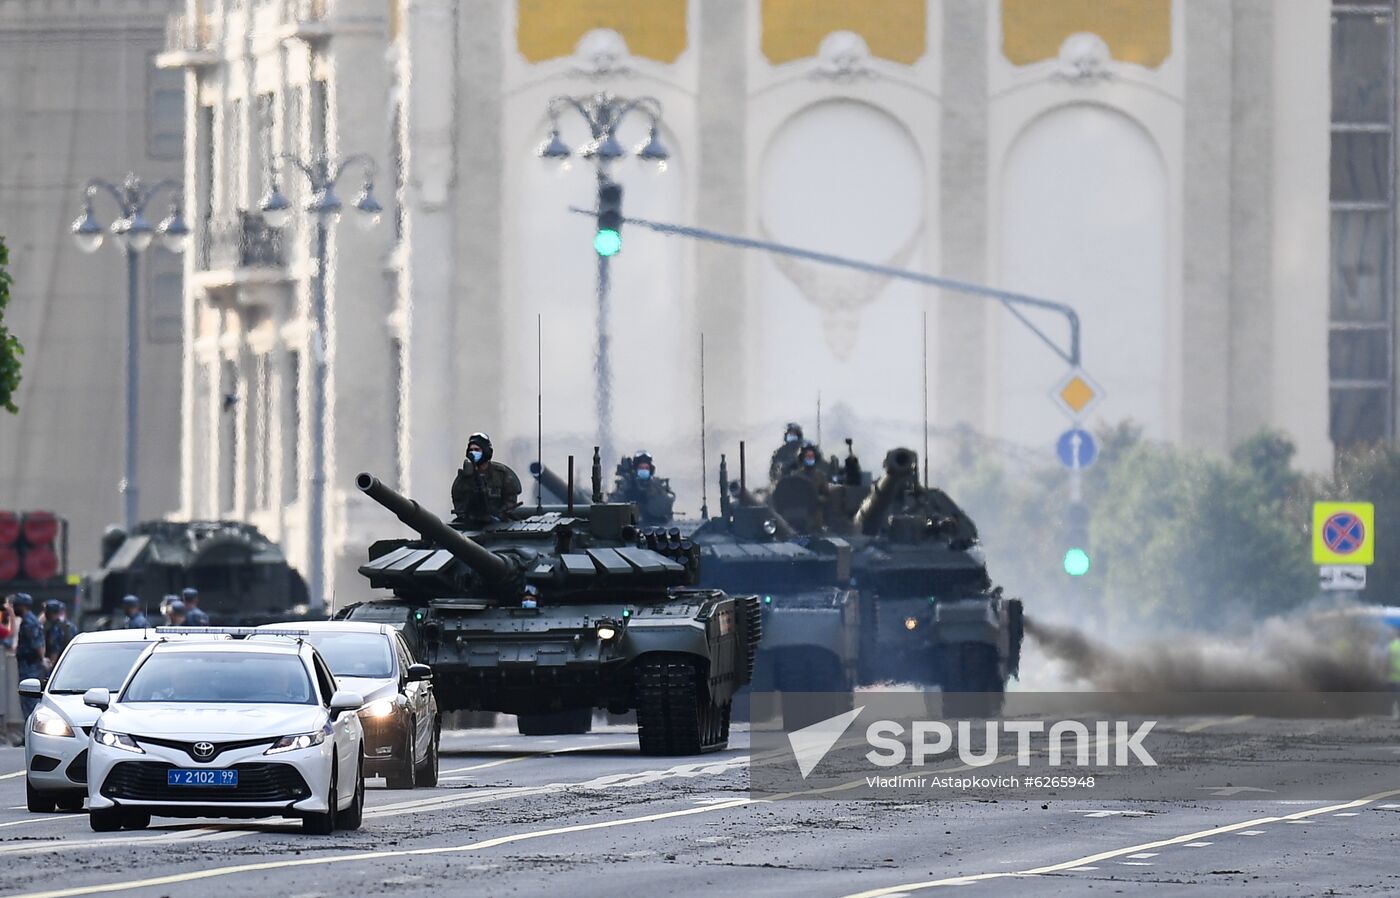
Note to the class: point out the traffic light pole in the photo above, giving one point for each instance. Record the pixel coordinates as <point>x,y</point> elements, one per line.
<point>602,361</point>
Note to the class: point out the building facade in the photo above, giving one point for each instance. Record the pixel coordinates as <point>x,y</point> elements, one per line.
<point>83,99</point>
<point>1167,167</point>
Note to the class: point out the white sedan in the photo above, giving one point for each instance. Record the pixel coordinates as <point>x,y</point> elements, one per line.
<point>227,729</point>
<point>55,748</point>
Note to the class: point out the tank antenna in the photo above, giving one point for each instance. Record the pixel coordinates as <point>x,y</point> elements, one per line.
<point>819,417</point>
<point>570,490</point>
<point>704,464</point>
<point>925,335</point>
<point>539,407</point>
<point>597,474</point>
<point>743,470</point>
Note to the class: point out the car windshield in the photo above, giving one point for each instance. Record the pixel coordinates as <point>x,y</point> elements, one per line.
<point>91,665</point>
<point>230,677</point>
<point>355,654</point>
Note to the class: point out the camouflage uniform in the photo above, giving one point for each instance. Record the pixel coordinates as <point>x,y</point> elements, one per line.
<point>785,461</point>
<point>484,498</point>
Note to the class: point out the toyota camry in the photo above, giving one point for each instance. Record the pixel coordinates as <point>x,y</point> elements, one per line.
<point>227,729</point>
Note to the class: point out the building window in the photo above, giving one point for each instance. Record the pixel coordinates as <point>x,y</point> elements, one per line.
<point>237,157</point>
<point>291,428</point>
<point>204,180</point>
<point>396,159</point>
<point>228,436</point>
<point>165,114</point>
<point>267,121</point>
<point>260,407</point>
<point>320,110</point>
<point>1361,343</point>
<point>164,320</point>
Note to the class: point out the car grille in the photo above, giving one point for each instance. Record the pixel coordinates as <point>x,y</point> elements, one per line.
<point>146,781</point>
<point>77,771</point>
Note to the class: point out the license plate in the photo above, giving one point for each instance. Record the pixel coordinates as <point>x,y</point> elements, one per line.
<point>181,777</point>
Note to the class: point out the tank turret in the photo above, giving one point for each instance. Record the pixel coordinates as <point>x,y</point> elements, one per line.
<point>901,468</point>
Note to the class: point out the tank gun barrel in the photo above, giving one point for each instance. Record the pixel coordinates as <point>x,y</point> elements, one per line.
<point>556,485</point>
<point>494,568</point>
<point>901,466</point>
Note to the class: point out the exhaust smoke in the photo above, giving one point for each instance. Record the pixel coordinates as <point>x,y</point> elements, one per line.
<point>1327,652</point>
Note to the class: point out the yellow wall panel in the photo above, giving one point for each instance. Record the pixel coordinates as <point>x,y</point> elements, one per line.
<point>893,29</point>
<point>653,29</point>
<point>1137,31</point>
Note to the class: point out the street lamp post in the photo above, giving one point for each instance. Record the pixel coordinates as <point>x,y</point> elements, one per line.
<point>135,234</point>
<point>604,113</point>
<point>322,174</point>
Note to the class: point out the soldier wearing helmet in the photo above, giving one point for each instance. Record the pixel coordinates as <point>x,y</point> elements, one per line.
<point>785,456</point>
<point>637,482</point>
<point>811,466</point>
<point>484,490</point>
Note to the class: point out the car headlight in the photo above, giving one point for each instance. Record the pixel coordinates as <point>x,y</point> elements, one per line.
<point>606,632</point>
<point>116,740</point>
<point>381,708</point>
<point>297,741</point>
<point>47,723</point>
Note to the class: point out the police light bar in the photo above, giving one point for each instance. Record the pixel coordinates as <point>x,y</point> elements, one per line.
<point>235,632</point>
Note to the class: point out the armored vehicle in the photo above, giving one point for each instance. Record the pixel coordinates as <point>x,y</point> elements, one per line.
<point>243,577</point>
<point>929,612</point>
<point>810,612</point>
<point>560,610</point>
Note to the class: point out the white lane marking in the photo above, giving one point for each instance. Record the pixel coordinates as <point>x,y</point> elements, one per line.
<point>51,818</point>
<point>1216,722</point>
<point>1199,844</point>
<point>284,864</point>
<point>1118,852</point>
<point>10,776</point>
<point>1389,807</point>
<point>543,754</point>
<point>157,838</point>
<point>1347,814</point>
<point>1134,863</point>
<point>1254,832</point>
<point>1116,814</point>
<point>1070,870</point>
<point>1142,855</point>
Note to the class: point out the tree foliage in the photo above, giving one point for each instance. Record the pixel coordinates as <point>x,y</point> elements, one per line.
<point>1176,536</point>
<point>10,348</point>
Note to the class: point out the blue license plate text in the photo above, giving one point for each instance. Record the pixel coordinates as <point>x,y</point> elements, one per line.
<point>182,777</point>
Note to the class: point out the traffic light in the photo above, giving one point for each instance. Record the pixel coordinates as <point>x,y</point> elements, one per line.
<point>608,240</point>
<point>1076,539</point>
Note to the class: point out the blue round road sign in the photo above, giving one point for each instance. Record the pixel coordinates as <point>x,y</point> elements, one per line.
<point>1344,533</point>
<point>1076,448</point>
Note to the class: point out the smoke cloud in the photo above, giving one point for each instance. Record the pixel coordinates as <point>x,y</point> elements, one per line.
<point>1316,653</point>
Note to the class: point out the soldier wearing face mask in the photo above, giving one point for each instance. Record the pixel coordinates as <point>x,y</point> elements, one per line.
<point>785,457</point>
<point>484,490</point>
<point>637,482</point>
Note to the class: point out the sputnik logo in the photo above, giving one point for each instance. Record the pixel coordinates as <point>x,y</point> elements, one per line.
<point>811,743</point>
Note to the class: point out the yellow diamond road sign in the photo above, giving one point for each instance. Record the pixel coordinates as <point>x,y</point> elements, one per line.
<point>1076,394</point>
<point>1344,533</point>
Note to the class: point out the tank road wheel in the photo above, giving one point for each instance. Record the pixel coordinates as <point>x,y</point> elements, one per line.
<point>573,722</point>
<point>674,713</point>
<point>972,681</point>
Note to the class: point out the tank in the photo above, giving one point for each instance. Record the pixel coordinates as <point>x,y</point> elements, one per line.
<point>929,611</point>
<point>810,612</point>
<point>243,577</point>
<point>555,612</point>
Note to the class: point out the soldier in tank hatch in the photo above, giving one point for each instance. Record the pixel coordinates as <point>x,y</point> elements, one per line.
<point>484,490</point>
<point>785,456</point>
<point>637,482</point>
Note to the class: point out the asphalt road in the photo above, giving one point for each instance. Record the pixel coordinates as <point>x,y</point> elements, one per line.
<point>587,815</point>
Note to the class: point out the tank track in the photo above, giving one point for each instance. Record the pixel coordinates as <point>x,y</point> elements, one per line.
<point>753,632</point>
<point>674,714</point>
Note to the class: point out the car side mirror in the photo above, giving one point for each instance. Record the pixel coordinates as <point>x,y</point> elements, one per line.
<point>344,700</point>
<point>419,672</point>
<point>32,687</point>
<point>98,698</point>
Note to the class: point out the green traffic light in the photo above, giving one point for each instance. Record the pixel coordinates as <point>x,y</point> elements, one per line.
<point>607,242</point>
<point>1076,562</point>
